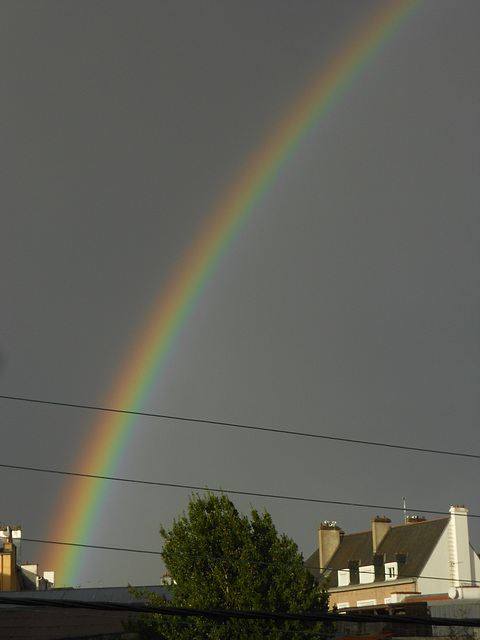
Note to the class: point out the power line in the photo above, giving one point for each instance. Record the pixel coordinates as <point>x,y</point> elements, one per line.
<point>92,546</point>
<point>82,612</point>
<point>225,614</point>
<point>224,559</point>
<point>226,491</point>
<point>241,426</point>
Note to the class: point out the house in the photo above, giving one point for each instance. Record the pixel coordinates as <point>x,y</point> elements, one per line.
<point>393,564</point>
<point>15,576</point>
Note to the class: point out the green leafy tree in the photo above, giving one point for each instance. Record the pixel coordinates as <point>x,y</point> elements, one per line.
<point>220,559</point>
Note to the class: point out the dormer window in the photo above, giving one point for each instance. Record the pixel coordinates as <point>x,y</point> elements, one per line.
<point>353,568</point>
<point>350,575</point>
<point>343,577</point>
<point>367,574</point>
<point>391,570</point>
<point>378,563</point>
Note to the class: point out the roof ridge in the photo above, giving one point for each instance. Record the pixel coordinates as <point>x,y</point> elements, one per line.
<point>407,524</point>
<point>395,526</point>
<point>356,533</point>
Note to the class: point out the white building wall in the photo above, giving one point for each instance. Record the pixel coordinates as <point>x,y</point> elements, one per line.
<point>455,609</point>
<point>453,562</point>
<point>49,576</point>
<point>474,566</point>
<point>437,567</point>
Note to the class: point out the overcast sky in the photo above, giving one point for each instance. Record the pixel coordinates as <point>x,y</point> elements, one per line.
<point>347,306</point>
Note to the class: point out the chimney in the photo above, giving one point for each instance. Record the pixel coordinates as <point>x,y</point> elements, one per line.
<point>329,536</point>
<point>415,519</point>
<point>459,546</point>
<point>14,534</point>
<point>8,564</point>
<point>380,528</point>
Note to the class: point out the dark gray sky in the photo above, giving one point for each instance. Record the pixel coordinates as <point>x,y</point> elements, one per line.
<point>347,306</point>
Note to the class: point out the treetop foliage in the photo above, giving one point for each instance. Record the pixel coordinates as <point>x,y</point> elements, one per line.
<point>218,558</point>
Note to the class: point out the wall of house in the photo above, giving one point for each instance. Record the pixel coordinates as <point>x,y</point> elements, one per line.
<point>15,535</point>
<point>8,572</point>
<point>377,593</point>
<point>437,566</point>
<point>474,565</point>
<point>453,559</point>
<point>30,576</point>
<point>49,578</point>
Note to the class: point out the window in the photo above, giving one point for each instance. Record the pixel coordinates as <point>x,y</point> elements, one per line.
<point>353,567</point>
<point>366,603</point>
<point>367,574</point>
<point>343,577</point>
<point>343,605</point>
<point>378,563</point>
<point>391,570</point>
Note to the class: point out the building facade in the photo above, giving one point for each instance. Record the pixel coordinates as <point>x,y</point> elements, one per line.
<point>15,576</point>
<point>391,564</point>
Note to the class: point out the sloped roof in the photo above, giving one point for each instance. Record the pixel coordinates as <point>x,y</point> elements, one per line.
<point>417,540</point>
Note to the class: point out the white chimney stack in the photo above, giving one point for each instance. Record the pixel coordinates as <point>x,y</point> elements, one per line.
<point>459,547</point>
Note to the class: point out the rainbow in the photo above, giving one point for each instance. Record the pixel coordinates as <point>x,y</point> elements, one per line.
<point>109,435</point>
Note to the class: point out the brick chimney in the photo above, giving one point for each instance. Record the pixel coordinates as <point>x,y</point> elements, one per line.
<point>329,537</point>
<point>380,528</point>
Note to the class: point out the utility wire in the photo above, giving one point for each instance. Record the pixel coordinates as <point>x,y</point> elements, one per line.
<point>226,491</point>
<point>241,426</point>
<point>226,614</point>
<point>92,546</point>
<point>229,560</point>
<point>84,614</point>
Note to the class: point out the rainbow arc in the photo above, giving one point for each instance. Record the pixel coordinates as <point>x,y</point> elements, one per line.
<point>109,435</point>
